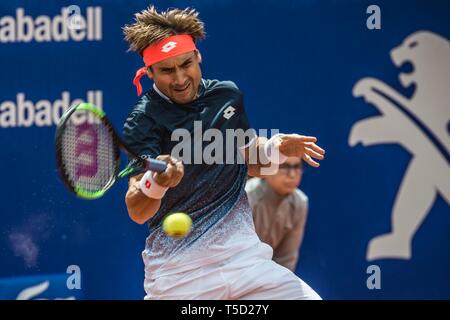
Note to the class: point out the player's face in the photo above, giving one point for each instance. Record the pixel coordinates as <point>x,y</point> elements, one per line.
<point>178,77</point>
<point>288,177</point>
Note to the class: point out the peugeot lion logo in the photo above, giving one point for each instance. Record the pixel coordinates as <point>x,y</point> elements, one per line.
<point>419,124</point>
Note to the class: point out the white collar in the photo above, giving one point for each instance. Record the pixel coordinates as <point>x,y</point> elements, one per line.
<point>161,94</point>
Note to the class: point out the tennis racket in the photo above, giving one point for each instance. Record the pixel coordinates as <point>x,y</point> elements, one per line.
<point>88,152</point>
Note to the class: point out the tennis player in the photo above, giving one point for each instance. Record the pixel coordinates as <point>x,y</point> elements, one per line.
<point>222,258</point>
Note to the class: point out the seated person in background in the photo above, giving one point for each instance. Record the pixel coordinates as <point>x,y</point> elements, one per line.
<point>279,211</point>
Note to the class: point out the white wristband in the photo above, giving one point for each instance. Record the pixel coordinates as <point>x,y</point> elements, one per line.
<point>273,153</point>
<point>150,188</point>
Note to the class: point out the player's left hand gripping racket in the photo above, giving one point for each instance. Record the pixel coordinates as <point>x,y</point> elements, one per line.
<point>88,152</point>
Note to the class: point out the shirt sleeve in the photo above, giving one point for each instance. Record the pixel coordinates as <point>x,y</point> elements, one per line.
<point>242,122</point>
<point>142,135</point>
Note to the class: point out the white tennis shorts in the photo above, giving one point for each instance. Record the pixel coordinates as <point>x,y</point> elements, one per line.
<point>249,275</point>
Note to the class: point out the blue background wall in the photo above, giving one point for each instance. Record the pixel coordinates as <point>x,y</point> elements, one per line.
<point>296,62</point>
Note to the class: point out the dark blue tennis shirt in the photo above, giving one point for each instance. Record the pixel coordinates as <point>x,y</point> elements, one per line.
<point>212,194</point>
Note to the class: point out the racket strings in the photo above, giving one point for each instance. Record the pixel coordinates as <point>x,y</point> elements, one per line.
<point>89,155</point>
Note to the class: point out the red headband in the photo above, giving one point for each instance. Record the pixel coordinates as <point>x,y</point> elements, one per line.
<point>168,48</point>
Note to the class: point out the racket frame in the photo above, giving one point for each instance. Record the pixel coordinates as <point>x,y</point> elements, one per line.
<point>117,145</point>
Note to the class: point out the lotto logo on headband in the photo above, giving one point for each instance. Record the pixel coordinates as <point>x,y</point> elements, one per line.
<point>169,46</point>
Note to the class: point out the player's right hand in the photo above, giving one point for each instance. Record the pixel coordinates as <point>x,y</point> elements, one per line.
<point>173,174</point>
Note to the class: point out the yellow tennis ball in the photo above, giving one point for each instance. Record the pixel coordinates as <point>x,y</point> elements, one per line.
<point>177,225</point>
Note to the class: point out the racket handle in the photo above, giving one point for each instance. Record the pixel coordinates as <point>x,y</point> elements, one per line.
<point>156,165</point>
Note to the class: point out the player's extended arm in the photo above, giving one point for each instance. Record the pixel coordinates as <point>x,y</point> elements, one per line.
<point>140,206</point>
<point>262,154</point>
<point>255,158</point>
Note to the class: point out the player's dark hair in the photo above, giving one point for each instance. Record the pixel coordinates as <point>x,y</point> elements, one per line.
<point>151,27</point>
